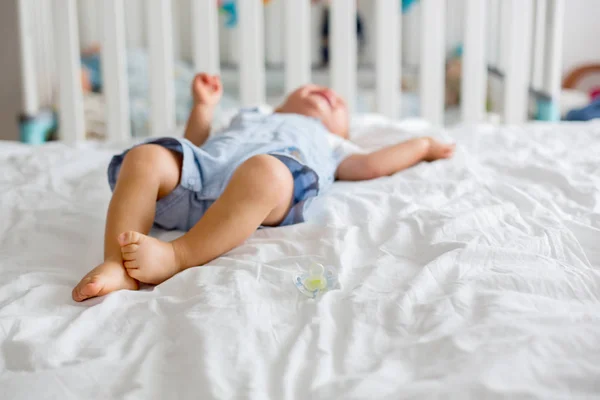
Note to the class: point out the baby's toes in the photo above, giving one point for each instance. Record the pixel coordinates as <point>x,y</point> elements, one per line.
<point>132,264</point>
<point>130,248</point>
<point>129,252</point>
<point>130,237</point>
<point>91,288</point>
<point>129,256</point>
<point>136,274</point>
<point>88,287</point>
<point>132,268</point>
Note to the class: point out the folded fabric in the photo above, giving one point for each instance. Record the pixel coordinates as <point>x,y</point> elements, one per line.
<point>592,111</point>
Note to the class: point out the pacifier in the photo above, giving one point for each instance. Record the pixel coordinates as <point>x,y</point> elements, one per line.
<point>316,281</point>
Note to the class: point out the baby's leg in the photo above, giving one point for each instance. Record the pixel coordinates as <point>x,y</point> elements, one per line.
<point>149,172</point>
<point>260,192</point>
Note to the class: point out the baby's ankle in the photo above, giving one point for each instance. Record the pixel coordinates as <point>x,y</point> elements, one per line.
<point>113,259</point>
<point>181,253</point>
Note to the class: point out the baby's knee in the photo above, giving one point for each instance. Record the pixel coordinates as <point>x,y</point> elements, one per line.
<point>154,163</point>
<point>268,175</point>
<point>152,156</point>
<point>146,153</point>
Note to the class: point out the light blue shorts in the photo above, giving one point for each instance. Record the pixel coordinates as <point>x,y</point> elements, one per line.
<point>184,206</point>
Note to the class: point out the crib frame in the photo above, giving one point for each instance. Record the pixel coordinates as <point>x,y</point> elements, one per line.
<point>531,49</point>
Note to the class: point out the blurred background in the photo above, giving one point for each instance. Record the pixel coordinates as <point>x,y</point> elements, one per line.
<point>581,58</point>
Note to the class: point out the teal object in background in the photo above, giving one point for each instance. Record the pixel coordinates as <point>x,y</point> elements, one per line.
<point>407,5</point>
<point>547,110</point>
<point>458,51</point>
<point>229,7</point>
<point>37,129</point>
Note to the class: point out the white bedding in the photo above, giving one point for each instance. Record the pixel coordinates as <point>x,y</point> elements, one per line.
<point>471,278</point>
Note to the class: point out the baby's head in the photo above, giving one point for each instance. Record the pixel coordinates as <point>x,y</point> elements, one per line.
<point>319,102</point>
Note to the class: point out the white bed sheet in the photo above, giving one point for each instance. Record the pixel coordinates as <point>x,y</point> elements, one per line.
<point>471,278</point>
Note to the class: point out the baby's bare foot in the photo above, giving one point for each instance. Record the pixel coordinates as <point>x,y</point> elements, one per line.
<point>147,259</point>
<point>105,278</point>
<point>439,150</point>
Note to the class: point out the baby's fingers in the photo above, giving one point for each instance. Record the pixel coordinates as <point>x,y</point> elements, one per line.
<point>215,82</point>
<point>215,86</point>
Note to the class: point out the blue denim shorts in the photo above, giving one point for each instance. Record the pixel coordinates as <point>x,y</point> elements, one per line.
<point>182,208</point>
<point>203,180</point>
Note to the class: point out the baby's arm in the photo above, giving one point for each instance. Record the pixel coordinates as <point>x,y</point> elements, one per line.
<point>207,91</point>
<point>392,159</point>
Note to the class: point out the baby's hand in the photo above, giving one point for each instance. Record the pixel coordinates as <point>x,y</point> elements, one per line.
<point>207,89</point>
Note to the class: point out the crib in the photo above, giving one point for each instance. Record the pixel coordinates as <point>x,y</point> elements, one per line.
<point>470,278</point>
<point>514,42</point>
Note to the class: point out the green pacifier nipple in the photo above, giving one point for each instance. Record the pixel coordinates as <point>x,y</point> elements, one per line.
<point>316,279</point>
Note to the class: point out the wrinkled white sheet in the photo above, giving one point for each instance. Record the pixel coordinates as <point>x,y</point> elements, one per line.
<point>471,278</point>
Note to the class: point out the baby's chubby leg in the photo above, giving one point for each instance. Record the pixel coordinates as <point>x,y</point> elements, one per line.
<point>149,172</point>
<point>259,192</point>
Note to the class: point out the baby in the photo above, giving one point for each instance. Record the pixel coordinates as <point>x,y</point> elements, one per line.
<point>262,170</point>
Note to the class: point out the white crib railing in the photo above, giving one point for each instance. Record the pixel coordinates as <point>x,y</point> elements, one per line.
<point>160,46</point>
<point>552,75</point>
<point>432,60</point>
<point>387,58</point>
<point>532,36</point>
<point>518,52</point>
<point>114,64</point>
<point>252,53</point>
<point>474,89</point>
<point>343,49</point>
<point>297,55</point>
<point>205,32</point>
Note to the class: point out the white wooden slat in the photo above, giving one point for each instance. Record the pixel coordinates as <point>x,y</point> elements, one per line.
<point>71,128</point>
<point>184,23</point>
<point>177,9</point>
<point>387,57</point>
<point>252,52</point>
<point>114,71</point>
<point>539,44</point>
<point>136,28</point>
<point>297,44</point>
<point>555,37</point>
<point>162,86</point>
<point>29,83</point>
<point>343,49</point>
<point>504,26</point>
<point>411,40</point>
<point>493,33</point>
<point>518,55</point>
<point>455,13</point>
<point>205,31</point>
<point>228,43</point>
<point>45,54</point>
<point>89,29</point>
<point>474,68</point>
<point>432,60</point>
<point>274,32</point>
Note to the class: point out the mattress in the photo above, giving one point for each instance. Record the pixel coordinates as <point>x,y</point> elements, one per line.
<point>473,278</point>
